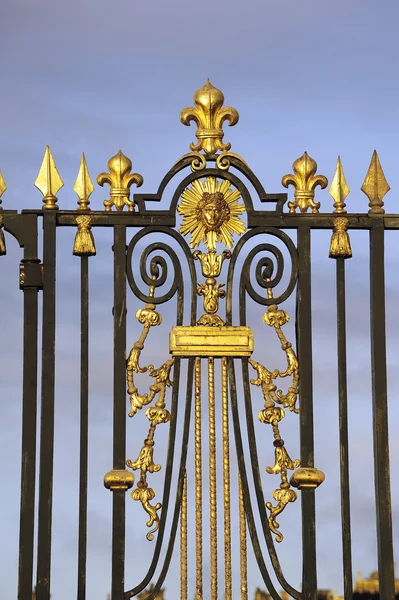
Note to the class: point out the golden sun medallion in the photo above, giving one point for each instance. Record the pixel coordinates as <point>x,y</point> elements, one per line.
<point>210,212</point>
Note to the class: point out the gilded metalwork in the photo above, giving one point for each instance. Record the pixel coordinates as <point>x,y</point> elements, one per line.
<point>340,246</point>
<point>283,495</point>
<point>304,181</point>
<point>272,414</point>
<point>212,480</point>
<point>146,594</point>
<point>375,186</point>
<point>211,341</point>
<point>118,479</point>
<point>243,544</point>
<point>223,160</point>
<point>211,265</point>
<point>120,179</point>
<point>274,317</point>
<point>212,292</point>
<point>209,114</point>
<point>49,181</point>
<point>183,543</point>
<point>156,414</point>
<point>211,212</point>
<point>339,189</point>
<point>198,482</point>
<point>226,484</point>
<point>3,187</point>
<point>83,185</point>
<point>148,317</point>
<point>84,240</point>
<point>307,478</point>
<point>3,249</point>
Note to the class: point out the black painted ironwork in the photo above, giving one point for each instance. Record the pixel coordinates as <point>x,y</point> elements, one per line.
<point>267,226</point>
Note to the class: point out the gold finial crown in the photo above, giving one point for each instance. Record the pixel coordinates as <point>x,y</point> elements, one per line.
<point>209,115</point>
<point>3,186</point>
<point>83,185</point>
<point>339,189</point>
<point>375,186</point>
<point>49,181</point>
<point>120,179</point>
<point>304,180</point>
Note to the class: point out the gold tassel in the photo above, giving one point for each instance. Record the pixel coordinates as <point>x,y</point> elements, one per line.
<point>340,246</point>
<point>84,241</point>
<point>3,250</point>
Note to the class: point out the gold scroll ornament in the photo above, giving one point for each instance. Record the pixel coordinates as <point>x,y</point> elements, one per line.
<point>156,414</point>
<point>272,414</point>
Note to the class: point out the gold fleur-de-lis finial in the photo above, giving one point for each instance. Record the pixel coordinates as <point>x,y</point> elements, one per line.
<point>120,179</point>
<point>304,180</point>
<point>83,185</point>
<point>339,189</point>
<point>49,181</point>
<point>3,186</point>
<point>209,115</point>
<point>375,186</point>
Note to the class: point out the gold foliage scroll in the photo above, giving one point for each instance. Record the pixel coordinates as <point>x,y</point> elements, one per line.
<point>272,414</point>
<point>156,414</point>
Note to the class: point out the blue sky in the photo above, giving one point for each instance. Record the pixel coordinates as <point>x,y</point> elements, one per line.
<point>99,76</point>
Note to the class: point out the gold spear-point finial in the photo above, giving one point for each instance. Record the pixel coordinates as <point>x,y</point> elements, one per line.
<point>120,179</point>
<point>209,115</point>
<point>375,186</point>
<point>304,180</point>
<point>339,189</point>
<point>83,185</point>
<point>49,181</point>
<point>340,246</point>
<point>3,187</point>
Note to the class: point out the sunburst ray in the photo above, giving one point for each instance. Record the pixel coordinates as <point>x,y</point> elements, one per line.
<point>211,212</point>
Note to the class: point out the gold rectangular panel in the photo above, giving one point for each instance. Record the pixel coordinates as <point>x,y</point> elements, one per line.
<point>211,341</point>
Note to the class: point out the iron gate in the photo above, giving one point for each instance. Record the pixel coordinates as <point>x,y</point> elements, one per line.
<point>212,207</point>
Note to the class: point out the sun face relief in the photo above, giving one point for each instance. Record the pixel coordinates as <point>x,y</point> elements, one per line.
<point>211,212</point>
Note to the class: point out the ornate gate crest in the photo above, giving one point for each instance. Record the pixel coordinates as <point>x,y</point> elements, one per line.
<point>209,254</point>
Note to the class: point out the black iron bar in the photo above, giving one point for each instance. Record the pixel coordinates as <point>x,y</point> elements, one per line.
<point>29,416</point>
<point>84,424</point>
<point>304,340</point>
<point>343,431</point>
<point>47,409</point>
<point>119,426</point>
<point>380,412</point>
<point>249,515</point>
